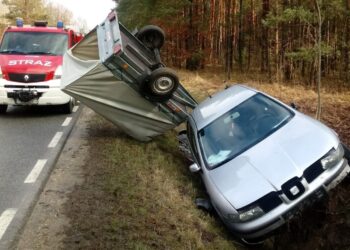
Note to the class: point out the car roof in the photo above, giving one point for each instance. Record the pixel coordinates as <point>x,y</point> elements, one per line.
<point>220,103</point>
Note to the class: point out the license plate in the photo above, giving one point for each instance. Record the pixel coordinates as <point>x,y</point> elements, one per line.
<point>31,102</point>
<point>315,196</point>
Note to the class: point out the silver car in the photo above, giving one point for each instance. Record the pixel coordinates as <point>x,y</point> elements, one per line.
<point>260,160</point>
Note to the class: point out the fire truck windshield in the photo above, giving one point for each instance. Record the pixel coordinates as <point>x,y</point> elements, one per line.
<point>34,43</point>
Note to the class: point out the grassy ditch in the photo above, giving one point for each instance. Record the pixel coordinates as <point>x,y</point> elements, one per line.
<point>140,195</point>
<point>155,193</point>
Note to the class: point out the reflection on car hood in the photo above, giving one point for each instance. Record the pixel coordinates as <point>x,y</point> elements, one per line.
<point>280,157</point>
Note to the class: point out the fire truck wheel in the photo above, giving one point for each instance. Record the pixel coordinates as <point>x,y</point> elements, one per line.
<point>68,107</point>
<point>3,109</point>
<point>151,36</point>
<point>161,84</point>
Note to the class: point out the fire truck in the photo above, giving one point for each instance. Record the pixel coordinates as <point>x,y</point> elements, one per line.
<point>31,59</point>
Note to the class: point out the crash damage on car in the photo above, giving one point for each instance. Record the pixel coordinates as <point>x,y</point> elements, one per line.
<point>261,161</point>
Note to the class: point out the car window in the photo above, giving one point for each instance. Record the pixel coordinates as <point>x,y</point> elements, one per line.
<point>34,43</point>
<point>241,128</point>
<point>192,141</point>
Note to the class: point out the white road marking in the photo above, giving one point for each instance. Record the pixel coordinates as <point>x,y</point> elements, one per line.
<point>75,109</point>
<point>66,121</point>
<point>5,220</point>
<point>34,174</point>
<point>55,140</point>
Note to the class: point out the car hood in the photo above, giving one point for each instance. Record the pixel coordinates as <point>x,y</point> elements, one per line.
<point>30,64</point>
<point>273,161</point>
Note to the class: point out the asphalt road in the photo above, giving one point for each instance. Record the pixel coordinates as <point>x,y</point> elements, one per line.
<point>31,139</point>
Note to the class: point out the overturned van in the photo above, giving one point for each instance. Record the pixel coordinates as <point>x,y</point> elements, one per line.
<point>120,76</point>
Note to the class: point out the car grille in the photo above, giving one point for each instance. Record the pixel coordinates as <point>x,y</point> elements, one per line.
<point>294,183</point>
<point>312,172</point>
<point>273,200</point>
<point>26,78</point>
<point>269,202</point>
<point>266,203</point>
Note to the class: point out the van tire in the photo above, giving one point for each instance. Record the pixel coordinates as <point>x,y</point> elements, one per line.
<point>161,84</point>
<point>151,36</point>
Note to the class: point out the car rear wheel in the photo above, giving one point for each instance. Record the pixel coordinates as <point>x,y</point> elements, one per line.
<point>161,84</point>
<point>151,36</point>
<point>3,109</point>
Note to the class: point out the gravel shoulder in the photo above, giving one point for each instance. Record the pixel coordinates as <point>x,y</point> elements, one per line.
<point>45,228</point>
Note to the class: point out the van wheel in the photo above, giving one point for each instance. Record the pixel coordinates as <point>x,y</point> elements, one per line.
<point>161,84</point>
<point>3,109</point>
<point>68,107</point>
<point>151,36</point>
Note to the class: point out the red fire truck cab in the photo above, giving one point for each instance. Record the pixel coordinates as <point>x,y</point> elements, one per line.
<point>31,65</point>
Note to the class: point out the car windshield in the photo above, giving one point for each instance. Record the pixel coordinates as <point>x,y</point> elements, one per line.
<point>34,43</point>
<point>241,128</point>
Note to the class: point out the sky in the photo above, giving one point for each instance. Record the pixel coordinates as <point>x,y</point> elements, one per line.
<point>93,11</point>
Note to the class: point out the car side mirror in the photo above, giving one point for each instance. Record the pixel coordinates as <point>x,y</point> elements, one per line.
<point>294,106</point>
<point>194,168</point>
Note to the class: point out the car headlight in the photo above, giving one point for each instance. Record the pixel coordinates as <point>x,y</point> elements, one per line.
<point>333,157</point>
<point>58,73</point>
<point>247,215</point>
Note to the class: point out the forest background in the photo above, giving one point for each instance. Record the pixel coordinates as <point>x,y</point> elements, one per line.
<point>278,39</point>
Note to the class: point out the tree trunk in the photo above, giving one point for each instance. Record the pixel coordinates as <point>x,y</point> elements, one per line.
<point>240,36</point>
<point>319,59</point>
<point>346,40</point>
<point>284,45</point>
<point>228,50</point>
<point>265,64</point>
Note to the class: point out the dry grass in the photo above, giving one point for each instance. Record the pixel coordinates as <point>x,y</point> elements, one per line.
<point>155,194</point>
<point>140,195</point>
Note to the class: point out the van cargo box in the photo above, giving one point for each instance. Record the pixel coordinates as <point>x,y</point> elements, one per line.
<point>120,76</point>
